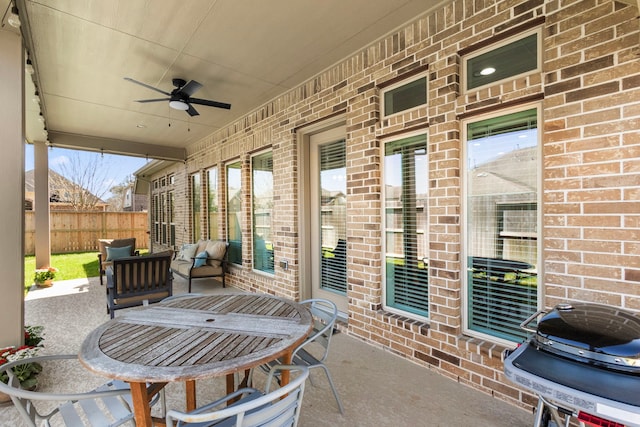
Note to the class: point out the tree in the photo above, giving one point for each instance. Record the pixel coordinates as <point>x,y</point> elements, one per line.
<point>79,182</point>
<point>116,201</point>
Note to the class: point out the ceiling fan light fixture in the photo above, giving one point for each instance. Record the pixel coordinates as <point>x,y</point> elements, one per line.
<point>13,19</point>
<point>178,105</point>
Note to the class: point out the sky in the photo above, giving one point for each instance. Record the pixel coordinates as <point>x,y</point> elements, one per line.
<point>119,166</point>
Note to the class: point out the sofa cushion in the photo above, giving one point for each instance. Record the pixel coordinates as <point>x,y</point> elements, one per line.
<point>202,245</point>
<point>181,267</point>
<point>206,271</point>
<point>216,251</point>
<point>140,299</point>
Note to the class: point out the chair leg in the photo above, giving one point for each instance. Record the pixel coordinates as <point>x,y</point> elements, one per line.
<point>333,388</point>
<point>101,282</point>
<point>189,283</point>
<point>223,284</point>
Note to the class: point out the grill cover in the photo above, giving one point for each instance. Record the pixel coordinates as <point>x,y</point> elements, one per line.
<point>592,333</point>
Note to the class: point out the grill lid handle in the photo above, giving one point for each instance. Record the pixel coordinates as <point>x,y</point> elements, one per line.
<point>525,324</point>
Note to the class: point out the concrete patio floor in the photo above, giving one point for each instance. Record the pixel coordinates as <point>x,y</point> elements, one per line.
<point>377,388</point>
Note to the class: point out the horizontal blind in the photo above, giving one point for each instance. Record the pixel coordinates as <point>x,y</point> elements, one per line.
<point>502,221</point>
<point>407,279</point>
<point>333,220</point>
<point>234,212</point>
<point>262,191</point>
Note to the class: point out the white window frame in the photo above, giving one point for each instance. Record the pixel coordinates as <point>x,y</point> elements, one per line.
<point>253,260</point>
<point>464,285</point>
<point>423,75</point>
<point>383,143</point>
<point>208,193</point>
<point>226,208</point>
<point>499,44</point>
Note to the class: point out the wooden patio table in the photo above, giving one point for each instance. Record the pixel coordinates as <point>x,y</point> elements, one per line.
<point>186,339</point>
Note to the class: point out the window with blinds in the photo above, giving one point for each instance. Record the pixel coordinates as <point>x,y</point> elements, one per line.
<point>156,217</point>
<point>262,192</point>
<point>502,219</point>
<point>405,225</point>
<point>234,212</point>
<point>212,202</point>
<point>195,207</point>
<point>333,216</point>
<point>162,211</point>
<point>171,218</point>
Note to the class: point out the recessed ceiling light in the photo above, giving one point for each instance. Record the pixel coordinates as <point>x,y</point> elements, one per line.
<point>487,71</point>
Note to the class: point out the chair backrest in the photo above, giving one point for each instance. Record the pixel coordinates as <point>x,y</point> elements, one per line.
<point>139,276</point>
<point>279,407</point>
<point>112,409</point>
<point>139,280</point>
<point>324,314</point>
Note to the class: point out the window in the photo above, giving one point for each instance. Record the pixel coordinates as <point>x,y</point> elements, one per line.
<point>333,216</point>
<point>171,219</point>
<point>163,214</point>
<point>156,217</point>
<point>212,202</point>
<point>516,57</point>
<point>404,96</point>
<point>195,207</point>
<point>262,193</point>
<point>406,239</point>
<point>502,220</point>
<point>234,211</point>
<point>163,218</point>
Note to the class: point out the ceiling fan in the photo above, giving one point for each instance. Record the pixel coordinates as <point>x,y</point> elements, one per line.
<point>180,98</point>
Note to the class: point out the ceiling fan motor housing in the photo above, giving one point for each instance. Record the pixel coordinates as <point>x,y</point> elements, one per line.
<point>179,83</point>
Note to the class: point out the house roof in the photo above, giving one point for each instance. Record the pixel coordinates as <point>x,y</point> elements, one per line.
<point>57,183</point>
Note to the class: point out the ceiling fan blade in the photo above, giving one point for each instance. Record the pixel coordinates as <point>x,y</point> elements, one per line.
<point>210,103</point>
<point>129,79</point>
<point>192,111</point>
<point>190,88</point>
<point>153,100</point>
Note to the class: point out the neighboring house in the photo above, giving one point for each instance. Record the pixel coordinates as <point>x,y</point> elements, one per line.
<point>64,195</point>
<point>482,130</point>
<point>133,202</point>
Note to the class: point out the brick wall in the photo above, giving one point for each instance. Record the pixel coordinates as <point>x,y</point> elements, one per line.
<point>589,92</point>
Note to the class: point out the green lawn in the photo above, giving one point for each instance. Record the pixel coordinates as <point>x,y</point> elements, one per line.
<point>70,266</point>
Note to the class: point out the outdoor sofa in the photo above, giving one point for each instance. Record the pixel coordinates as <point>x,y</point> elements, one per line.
<point>207,258</point>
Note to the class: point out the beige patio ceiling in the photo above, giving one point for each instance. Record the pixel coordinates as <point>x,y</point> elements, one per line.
<point>244,52</point>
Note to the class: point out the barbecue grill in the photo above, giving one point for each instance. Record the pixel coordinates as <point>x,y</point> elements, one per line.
<point>582,361</point>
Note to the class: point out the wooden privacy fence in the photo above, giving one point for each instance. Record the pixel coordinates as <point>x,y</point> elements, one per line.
<point>80,231</point>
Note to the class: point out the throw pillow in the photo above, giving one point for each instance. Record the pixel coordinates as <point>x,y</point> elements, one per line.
<point>216,250</point>
<point>114,253</point>
<point>201,259</point>
<point>187,251</point>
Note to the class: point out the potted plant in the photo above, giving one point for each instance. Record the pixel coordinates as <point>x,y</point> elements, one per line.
<point>43,277</point>
<point>27,374</point>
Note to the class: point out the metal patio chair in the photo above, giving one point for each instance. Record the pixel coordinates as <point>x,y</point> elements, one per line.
<point>107,405</point>
<point>279,407</point>
<point>313,352</point>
